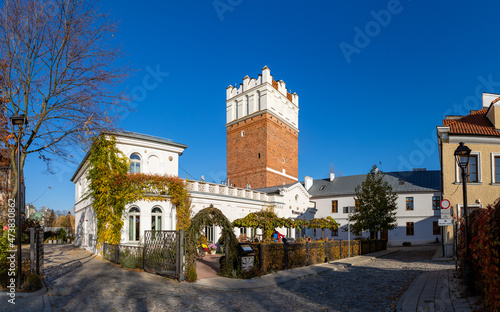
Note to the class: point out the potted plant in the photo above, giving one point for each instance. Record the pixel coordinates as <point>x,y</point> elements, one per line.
<point>212,248</point>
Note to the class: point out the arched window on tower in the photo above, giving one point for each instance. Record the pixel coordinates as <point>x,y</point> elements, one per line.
<point>135,163</point>
<point>236,108</point>
<point>248,106</point>
<point>258,101</point>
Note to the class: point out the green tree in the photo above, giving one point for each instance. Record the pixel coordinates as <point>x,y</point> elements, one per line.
<point>376,209</point>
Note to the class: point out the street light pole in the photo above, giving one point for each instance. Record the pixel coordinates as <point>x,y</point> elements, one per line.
<point>462,154</point>
<point>18,120</point>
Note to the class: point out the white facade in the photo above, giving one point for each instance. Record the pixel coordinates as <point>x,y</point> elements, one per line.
<point>159,156</point>
<point>421,216</point>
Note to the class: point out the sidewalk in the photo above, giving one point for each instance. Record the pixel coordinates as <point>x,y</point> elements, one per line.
<point>436,291</point>
<point>277,278</point>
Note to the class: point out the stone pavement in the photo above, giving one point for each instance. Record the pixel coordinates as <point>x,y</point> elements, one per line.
<point>208,266</point>
<point>274,279</point>
<point>436,291</point>
<point>79,281</point>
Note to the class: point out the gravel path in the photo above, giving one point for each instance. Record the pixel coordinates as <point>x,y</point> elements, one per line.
<point>80,282</point>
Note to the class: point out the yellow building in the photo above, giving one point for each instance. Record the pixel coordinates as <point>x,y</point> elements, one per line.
<point>480,131</point>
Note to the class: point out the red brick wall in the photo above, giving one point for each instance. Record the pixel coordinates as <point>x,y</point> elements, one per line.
<point>269,137</point>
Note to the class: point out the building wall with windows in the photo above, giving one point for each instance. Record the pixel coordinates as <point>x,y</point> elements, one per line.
<point>416,220</point>
<point>234,202</point>
<point>480,131</point>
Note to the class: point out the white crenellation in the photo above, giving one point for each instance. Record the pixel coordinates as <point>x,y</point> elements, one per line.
<point>256,95</point>
<point>214,188</point>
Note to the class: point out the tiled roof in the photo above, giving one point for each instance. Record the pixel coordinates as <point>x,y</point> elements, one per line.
<point>474,123</point>
<point>496,100</point>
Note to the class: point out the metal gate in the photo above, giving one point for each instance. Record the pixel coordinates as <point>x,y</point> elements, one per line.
<point>164,253</point>
<point>36,250</point>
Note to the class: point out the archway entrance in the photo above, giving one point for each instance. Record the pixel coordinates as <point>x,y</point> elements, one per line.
<point>212,216</point>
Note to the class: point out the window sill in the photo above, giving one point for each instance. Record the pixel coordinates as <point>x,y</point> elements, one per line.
<point>469,183</point>
<point>495,184</point>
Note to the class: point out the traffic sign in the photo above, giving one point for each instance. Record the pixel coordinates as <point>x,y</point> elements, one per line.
<point>445,222</point>
<point>445,204</point>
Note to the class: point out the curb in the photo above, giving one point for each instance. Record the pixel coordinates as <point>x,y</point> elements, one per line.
<point>277,278</point>
<point>272,279</point>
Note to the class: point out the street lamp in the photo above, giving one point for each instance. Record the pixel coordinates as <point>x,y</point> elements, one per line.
<point>462,154</point>
<point>19,121</point>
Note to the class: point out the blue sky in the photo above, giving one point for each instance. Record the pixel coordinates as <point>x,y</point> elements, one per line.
<point>374,78</point>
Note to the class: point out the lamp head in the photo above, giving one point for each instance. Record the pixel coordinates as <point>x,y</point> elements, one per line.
<point>19,120</point>
<point>462,154</point>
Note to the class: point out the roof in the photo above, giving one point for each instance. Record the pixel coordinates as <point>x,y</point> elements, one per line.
<point>274,189</point>
<point>414,181</point>
<point>475,123</point>
<point>147,137</point>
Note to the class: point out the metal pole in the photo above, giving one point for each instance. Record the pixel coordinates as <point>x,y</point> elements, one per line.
<point>18,204</point>
<point>467,234</point>
<point>349,233</point>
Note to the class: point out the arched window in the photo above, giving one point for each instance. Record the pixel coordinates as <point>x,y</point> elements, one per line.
<point>258,101</point>
<point>236,107</point>
<point>134,224</point>
<point>156,219</point>
<point>248,106</point>
<point>135,163</point>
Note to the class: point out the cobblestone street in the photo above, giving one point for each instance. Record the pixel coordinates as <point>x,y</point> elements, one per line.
<point>78,281</point>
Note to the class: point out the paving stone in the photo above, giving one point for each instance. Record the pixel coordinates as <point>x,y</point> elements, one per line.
<point>81,282</point>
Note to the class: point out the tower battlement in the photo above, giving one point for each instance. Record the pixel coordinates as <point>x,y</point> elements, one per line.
<point>262,94</point>
<point>262,132</point>
<point>265,77</point>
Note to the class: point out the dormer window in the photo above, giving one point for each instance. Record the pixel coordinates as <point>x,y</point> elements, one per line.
<point>135,163</point>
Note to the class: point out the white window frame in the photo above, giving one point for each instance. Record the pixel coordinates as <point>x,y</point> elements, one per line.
<point>493,155</point>
<point>155,215</point>
<point>134,216</point>
<point>132,161</point>
<point>458,172</point>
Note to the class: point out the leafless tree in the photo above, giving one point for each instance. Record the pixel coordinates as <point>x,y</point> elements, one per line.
<point>58,67</point>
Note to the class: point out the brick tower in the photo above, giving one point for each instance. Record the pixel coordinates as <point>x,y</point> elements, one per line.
<point>262,133</point>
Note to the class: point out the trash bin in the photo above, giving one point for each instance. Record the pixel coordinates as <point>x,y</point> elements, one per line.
<point>247,257</point>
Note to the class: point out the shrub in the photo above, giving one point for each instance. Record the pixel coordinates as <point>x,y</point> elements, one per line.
<point>33,282</point>
<point>406,244</point>
<point>485,254</point>
<point>61,233</point>
<point>191,275</point>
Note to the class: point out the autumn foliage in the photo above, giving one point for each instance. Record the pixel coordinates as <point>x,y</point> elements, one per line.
<point>112,187</point>
<point>485,253</point>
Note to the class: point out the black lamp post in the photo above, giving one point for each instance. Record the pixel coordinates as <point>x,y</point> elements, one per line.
<point>19,121</point>
<point>462,154</point>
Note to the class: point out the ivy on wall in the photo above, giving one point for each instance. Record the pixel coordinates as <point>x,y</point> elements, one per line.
<point>112,187</point>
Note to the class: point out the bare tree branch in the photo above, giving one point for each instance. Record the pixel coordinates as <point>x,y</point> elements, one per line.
<point>58,67</point>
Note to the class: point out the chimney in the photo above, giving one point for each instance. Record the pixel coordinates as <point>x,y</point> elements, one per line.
<point>308,182</point>
<point>493,114</point>
<point>487,98</point>
<point>332,176</point>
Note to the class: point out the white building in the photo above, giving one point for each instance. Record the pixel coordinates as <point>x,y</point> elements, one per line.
<point>149,154</point>
<point>418,204</point>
